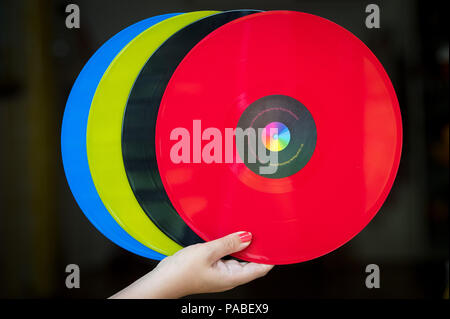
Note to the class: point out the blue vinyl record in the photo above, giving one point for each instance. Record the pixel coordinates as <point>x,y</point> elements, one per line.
<point>73,139</point>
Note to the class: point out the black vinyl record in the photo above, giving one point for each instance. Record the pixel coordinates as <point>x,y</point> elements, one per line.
<point>138,131</point>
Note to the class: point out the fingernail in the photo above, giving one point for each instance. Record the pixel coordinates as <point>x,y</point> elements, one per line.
<point>245,236</point>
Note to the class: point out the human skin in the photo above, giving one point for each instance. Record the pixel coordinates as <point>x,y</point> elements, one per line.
<point>197,269</point>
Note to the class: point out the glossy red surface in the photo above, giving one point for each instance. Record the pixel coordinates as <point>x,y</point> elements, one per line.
<point>359,135</point>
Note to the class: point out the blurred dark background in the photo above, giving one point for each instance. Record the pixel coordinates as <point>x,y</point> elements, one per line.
<point>42,229</point>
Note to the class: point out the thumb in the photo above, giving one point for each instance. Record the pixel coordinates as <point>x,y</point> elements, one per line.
<point>229,244</point>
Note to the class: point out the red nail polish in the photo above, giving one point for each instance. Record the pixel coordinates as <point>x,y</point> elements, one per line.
<point>245,237</point>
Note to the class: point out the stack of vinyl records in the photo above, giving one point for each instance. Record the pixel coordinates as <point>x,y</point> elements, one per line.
<point>183,128</point>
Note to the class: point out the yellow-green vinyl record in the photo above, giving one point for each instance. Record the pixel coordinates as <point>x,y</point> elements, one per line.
<point>103,140</point>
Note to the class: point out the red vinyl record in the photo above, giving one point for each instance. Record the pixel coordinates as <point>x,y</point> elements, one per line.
<point>338,138</point>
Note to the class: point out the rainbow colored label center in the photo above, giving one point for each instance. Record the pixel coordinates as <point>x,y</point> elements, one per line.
<point>275,136</point>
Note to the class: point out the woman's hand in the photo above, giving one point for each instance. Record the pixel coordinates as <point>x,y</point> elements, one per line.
<point>198,269</point>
